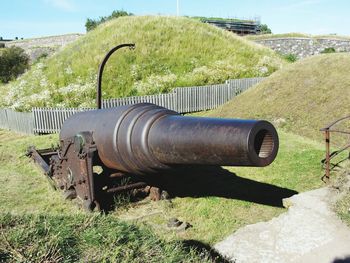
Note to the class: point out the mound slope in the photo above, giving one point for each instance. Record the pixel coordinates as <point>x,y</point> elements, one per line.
<point>302,97</point>
<point>170,52</point>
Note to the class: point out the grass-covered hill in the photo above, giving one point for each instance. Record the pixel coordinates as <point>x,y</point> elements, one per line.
<point>170,52</point>
<point>302,97</point>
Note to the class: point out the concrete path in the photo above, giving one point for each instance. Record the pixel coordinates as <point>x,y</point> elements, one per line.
<point>309,232</point>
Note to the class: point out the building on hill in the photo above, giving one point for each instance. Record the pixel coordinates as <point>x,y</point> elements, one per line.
<point>240,27</point>
<point>3,42</point>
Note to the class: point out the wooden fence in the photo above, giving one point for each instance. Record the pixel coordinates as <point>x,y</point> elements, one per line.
<point>22,122</point>
<point>50,120</point>
<point>183,100</point>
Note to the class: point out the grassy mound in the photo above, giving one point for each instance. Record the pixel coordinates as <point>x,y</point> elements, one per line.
<point>302,98</point>
<point>170,52</point>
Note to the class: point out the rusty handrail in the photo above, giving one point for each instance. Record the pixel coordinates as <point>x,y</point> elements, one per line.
<point>100,71</point>
<point>334,122</point>
<point>327,133</point>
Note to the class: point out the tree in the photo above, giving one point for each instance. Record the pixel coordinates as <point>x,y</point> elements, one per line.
<point>13,62</point>
<point>91,24</point>
<point>264,29</point>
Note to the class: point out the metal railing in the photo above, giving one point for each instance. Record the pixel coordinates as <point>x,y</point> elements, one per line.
<point>331,155</point>
<point>238,27</point>
<point>182,100</point>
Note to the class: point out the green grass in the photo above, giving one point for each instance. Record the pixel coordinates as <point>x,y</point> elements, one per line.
<point>37,225</point>
<point>241,195</point>
<point>24,179</point>
<point>301,98</point>
<point>343,208</point>
<point>342,183</point>
<point>296,35</point>
<point>170,52</point>
<point>86,238</point>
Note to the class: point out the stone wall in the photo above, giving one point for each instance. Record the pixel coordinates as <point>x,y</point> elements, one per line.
<point>305,47</point>
<point>37,47</point>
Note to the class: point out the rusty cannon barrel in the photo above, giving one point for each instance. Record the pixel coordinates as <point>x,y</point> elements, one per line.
<point>145,138</point>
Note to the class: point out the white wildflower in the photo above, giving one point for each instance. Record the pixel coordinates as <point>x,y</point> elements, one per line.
<point>68,70</point>
<point>39,66</point>
<point>156,84</point>
<point>43,82</point>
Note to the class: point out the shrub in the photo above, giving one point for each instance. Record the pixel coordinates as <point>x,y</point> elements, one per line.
<point>264,29</point>
<point>92,24</point>
<point>328,50</point>
<point>291,57</point>
<point>13,62</point>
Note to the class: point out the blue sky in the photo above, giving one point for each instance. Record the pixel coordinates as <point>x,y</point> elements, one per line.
<point>30,18</point>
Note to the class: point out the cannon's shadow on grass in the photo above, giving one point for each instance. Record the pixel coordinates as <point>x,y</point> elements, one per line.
<point>342,260</point>
<point>216,181</point>
<point>205,181</point>
<point>201,247</point>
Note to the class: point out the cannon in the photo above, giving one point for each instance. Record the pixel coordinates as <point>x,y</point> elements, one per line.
<point>98,148</point>
<point>142,139</point>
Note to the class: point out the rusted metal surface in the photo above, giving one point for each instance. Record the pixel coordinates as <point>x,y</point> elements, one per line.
<point>144,138</point>
<point>39,157</point>
<point>100,71</point>
<point>127,187</point>
<point>328,130</point>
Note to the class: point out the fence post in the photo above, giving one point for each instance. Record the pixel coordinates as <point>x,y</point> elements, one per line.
<point>7,124</point>
<point>327,138</point>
